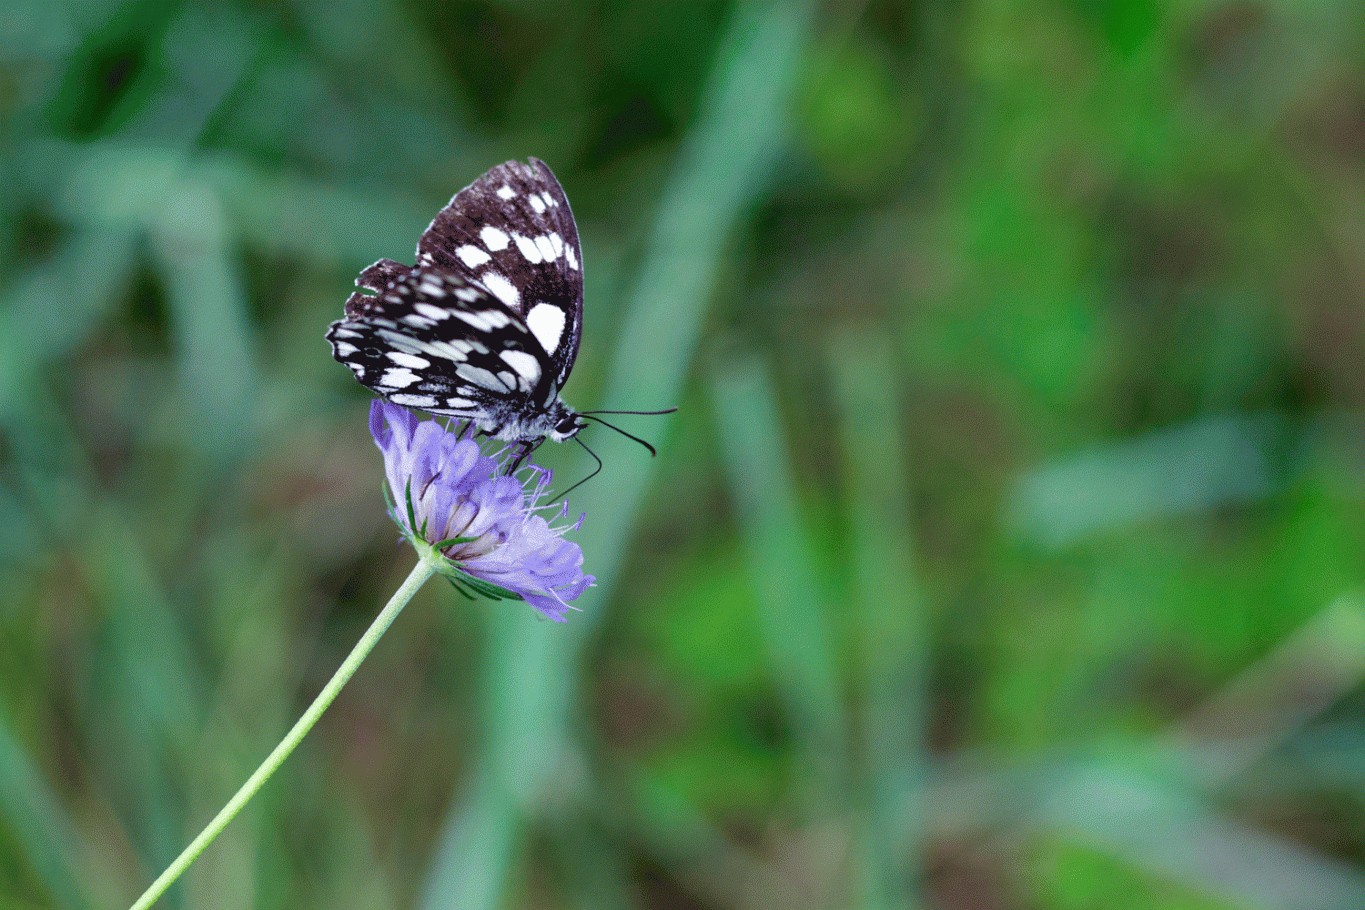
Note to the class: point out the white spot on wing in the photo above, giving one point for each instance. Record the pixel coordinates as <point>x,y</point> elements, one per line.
<point>408,360</point>
<point>398,378</point>
<point>484,320</point>
<point>494,239</point>
<point>551,201</point>
<point>528,249</point>
<point>501,288</point>
<point>546,322</point>
<point>472,256</point>
<point>538,204</point>
<point>400,341</point>
<point>526,365</point>
<point>413,401</point>
<point>477,320</point>
<point>456,351</point>
<point>481,377</point>
<point>506,192</point>
<point>546,247</point>
<point>571,256</point>
<point>431,311</point>
<point>343,349</point>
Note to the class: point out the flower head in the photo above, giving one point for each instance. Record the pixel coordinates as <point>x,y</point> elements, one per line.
<point>452,503</point>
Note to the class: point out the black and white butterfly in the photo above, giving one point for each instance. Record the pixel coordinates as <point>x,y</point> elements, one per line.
<point>485,327</point>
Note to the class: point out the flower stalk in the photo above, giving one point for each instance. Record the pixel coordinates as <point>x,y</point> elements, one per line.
<point>425,568</point>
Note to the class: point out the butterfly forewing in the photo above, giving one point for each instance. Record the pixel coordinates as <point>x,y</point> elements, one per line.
<point>438,341</point>
<point>511,232</point>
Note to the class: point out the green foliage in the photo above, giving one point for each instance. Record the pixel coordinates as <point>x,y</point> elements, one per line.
<point>1007,551</point>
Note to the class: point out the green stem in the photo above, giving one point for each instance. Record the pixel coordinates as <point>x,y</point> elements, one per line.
<point>420,573</point>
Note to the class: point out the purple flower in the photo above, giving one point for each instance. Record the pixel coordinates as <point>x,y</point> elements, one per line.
<point>449,499</point>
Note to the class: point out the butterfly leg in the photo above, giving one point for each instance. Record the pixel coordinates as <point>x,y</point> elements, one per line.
<point>524,450</point>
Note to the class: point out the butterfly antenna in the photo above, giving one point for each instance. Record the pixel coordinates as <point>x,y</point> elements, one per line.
<point>646,413</point>
<point>652,450</point>
<point>595,472</point>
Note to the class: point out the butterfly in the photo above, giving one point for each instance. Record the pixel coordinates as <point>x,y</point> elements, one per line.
<point>486,326</point>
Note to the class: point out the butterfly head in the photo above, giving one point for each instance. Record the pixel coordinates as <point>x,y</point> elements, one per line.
<point>567,426</point>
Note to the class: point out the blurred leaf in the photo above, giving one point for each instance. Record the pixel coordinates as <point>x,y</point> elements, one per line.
<point>1212,462</point>
<point>1171,835</point>
<point>716,690</point>
<point>55,305</point>
<point>702,857</point>
<point>49,839</point>
<point>214,347</point>
<point>1069,876</point>
<point>888,613</point>
<point>790,600</point>
<point>1128,25</point>
<point>1272,699</point>
<point>858,123</point>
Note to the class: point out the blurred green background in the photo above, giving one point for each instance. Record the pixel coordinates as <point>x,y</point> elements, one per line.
<point>1007,551</point>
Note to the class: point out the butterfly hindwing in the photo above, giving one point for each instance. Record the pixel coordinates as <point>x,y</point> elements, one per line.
<point>511,232</point>
<point>437,341</point>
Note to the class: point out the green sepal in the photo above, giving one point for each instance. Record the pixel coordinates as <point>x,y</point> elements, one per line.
<point>388,499</point>
<point>452,571</point>
<point>459,587</point>
<point>412,516</point>
<point>452,541</point>
<point>488,589</point>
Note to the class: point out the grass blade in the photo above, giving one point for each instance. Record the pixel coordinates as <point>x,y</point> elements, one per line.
<point>49,842</point>
<point>1175,471</point>
<point>790,613</point>
<point>888,612</point>
<point>214,343</point>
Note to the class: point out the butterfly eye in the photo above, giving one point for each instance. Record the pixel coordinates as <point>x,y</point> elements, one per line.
<point>568,426</point>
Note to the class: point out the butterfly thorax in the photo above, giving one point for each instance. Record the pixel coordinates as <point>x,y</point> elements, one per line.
<point>506,421</point>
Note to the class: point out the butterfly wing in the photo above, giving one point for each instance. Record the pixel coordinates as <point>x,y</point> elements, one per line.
<point>437,341</point>
<point>511,231</point>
